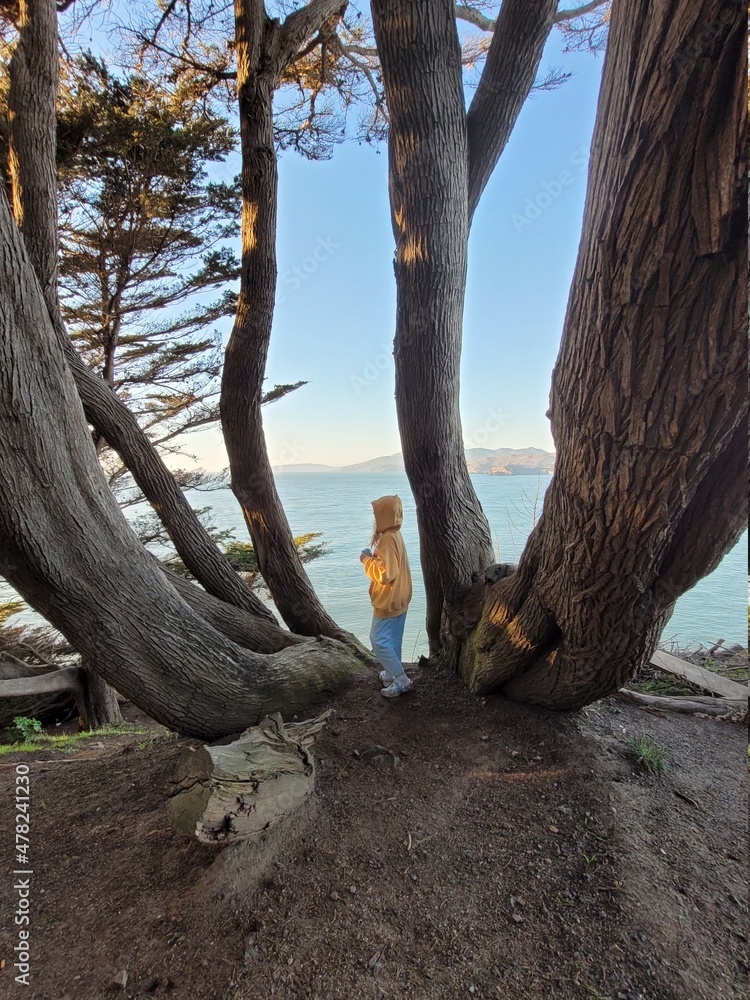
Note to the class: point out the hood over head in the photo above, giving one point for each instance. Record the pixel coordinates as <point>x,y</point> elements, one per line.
<point>389,513</point>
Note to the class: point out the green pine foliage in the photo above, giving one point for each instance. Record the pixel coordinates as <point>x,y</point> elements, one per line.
<point>145,268</point>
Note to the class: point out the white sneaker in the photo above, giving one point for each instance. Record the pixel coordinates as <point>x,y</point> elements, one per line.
<point>396,688</point>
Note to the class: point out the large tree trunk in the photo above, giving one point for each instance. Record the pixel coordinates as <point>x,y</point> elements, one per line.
<point>32,119</point>
<point>32,129</point>
<point>440,160</point>
<point>263,49</point>
<point>68,551</point>
<point>428,160</point>
<point>648,403</point>
<point>118,425</point>
<point>99,706</point>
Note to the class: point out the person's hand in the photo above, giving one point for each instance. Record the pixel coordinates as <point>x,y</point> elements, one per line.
<point>365,554</point>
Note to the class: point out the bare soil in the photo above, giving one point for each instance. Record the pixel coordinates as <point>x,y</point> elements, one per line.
<point>459,847</point>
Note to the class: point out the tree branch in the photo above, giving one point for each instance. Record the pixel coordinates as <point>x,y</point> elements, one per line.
<point>571,15</point>
<point>475,17</point>
<point>345,51</point>
<point>300,25</point>
<point>521,30</point>
<point>68,679</point>
<point>11,667</point>
<point>212,71</point>
<point>168,10</point>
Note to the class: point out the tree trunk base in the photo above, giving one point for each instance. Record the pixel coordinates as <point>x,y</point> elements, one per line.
<point>98,704</point>
<point>239,791</point>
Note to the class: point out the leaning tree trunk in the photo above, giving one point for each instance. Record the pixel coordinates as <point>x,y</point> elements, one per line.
<point>32,119</point>
<point>428,161</point>
<point>648,404</point>
<point>521,30</point>
<point>99,705</point>
<point>118,425</point>
<point>32,128</point>
<point>441,158</point>
<point>263,49</point>
<point>69,552</point>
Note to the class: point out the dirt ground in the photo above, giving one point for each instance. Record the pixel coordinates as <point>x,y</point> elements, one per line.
<point>484,850</point>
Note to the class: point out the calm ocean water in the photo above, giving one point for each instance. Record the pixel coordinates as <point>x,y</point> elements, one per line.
<point>338,505</point>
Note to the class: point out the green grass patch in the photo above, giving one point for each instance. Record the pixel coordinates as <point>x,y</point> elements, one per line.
<point>70,742</point>
<point>162,736</point>
<point>658,682</point>
<point>648,755</point>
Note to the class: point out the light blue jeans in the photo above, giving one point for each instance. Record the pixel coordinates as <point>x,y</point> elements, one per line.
<point>386,638</point>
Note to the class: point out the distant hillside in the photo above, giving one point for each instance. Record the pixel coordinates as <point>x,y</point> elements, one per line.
<point>386,463</point>
<point>488,462</point>
<point>300,470</point>
<point>510,461</point>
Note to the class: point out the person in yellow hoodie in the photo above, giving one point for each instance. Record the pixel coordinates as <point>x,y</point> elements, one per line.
<point>387,565</point>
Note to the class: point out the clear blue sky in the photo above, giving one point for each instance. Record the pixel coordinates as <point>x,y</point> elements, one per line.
<point>335,316</point>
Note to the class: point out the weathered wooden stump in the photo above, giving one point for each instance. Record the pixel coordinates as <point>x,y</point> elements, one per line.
<point>238,792</point>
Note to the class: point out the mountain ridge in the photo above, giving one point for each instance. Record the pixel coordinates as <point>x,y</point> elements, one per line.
<point>482,461</point>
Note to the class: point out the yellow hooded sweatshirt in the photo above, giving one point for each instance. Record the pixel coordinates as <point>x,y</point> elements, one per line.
<point>388,567</point>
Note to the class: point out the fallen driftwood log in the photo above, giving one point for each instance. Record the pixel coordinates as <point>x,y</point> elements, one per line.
<point>726,708</point>
<point>235,792</point>
<point>34,681</point>
<point>11,667</point>
<point>701,677</point>
<point>96,701</point>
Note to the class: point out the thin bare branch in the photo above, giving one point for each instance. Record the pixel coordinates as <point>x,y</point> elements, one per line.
<point>186,61</point>
<point>473,16</point>
<point>303,23</point>
<point>168,10</point>
<point>571,15</point>
<point>513,59</point>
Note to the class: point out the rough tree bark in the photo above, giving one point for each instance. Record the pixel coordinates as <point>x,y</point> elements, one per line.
<point>68,551</point>
<point>32,129</point>
<point>264,48</point>
<point>118,425</point>
<point>648,403</point>
<point>99,705</point>
<point>428,161</point>
<point>32,121</point>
